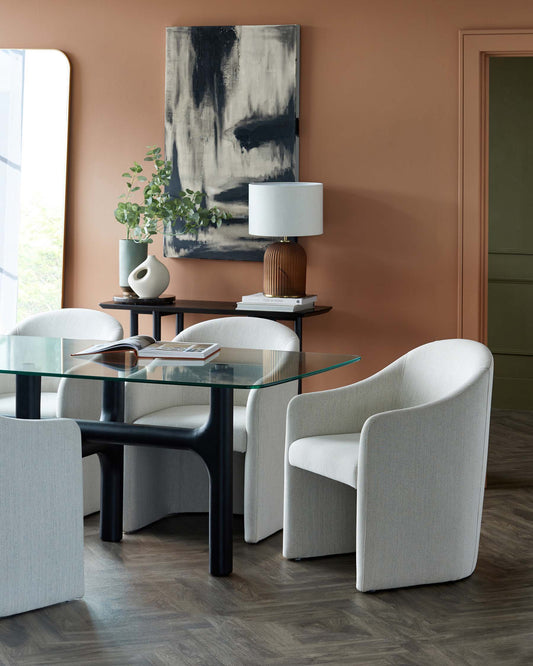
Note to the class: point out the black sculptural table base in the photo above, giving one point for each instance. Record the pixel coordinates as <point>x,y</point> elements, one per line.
<point>213,442</point>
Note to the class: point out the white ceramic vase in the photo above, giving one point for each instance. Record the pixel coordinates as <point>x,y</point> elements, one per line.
<point>149,279</point>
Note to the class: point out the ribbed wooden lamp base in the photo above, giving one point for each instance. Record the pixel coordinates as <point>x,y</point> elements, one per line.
<point>284,267</point>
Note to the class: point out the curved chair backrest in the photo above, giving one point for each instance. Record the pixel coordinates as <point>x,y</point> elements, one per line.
<point>439,369</point>
<point>76,323</point>
<point>81,323</point>
<point>243,333</point>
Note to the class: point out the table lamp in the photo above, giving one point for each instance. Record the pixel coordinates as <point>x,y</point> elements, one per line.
<point>285,209</point>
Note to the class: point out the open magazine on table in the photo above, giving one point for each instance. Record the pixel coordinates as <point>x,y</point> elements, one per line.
<point>144,346</point>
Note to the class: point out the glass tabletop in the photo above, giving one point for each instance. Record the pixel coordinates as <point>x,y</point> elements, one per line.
<point>231,368</point>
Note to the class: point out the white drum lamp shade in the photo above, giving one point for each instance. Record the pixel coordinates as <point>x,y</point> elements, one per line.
<point>282,210</point>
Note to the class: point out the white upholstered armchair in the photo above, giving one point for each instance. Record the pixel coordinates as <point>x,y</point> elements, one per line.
<point>393,467</point>
<point>41,518</point>
<point>83,398</point>
<point>160,482</point>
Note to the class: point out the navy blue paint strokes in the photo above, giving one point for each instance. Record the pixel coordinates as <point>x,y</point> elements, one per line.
<point>231,104</point>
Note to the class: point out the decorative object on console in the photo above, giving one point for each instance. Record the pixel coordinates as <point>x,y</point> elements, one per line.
<point>285,209</point>
<point>135,300</point>
<point>161,211</point>
<point>130,254</point>
<point>232,118</point>
<point>144,220</point>
<point>158,212</point>
<point>149,279</point>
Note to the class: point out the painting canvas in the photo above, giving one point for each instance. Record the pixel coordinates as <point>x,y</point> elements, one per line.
<point>231,119</point>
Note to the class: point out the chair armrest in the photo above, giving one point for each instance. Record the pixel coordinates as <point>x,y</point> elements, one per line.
<point>264,461</point>
<point>344,409</point>
<point>428,434</point>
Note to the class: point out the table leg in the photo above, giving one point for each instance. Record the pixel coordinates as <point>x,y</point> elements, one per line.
<point>112,466</point>
<point>214,444</point>
<point>28,397</point>
<point>111,493</point>
<point>218,456</point>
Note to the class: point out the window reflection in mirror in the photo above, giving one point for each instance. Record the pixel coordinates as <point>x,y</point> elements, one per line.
<point>34,100</point>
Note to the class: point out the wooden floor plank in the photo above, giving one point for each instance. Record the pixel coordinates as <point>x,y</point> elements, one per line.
<point>510,449</point>
<point>150,601</point>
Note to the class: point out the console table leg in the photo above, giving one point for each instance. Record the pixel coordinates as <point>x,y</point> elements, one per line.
<point>298,329</point>
<point>156,332</point>
<point>134,323</point>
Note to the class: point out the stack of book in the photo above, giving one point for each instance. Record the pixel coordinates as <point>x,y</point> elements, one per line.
<point>271,303</point>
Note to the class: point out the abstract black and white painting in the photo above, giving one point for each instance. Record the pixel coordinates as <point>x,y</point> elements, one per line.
<point>231,115</point>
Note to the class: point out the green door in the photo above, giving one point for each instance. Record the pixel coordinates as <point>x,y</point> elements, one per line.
<point>510,289</point>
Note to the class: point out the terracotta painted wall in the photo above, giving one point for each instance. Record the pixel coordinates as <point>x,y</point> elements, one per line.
<point>379,127</point>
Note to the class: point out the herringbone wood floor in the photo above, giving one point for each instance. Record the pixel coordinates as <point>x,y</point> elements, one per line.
<point>150,601</point>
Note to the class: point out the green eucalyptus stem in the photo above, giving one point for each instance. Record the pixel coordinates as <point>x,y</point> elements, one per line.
<point>159,212</point>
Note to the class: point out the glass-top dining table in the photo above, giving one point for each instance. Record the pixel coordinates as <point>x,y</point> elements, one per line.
<point>30,358</point>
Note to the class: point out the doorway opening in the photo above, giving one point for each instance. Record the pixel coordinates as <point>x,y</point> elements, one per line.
<point>496,236</point>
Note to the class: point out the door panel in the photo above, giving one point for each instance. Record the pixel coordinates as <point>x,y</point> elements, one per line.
<point>510,264</point>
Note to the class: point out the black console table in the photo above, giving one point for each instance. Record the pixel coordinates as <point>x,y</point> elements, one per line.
<point>180,307</point>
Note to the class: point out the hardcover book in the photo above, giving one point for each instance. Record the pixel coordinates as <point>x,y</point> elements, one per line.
<point>274,307</point>
<point>274,300</point>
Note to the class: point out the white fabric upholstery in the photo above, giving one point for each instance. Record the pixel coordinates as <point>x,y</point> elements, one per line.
<point>159,482</point>
<point>193,416</point>
<point>72,398</point>
<point>419,468</point>
<point>48,404</point>
<point>334,456</point>
<point>41,514</point>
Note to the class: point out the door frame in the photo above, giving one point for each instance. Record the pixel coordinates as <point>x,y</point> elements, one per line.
<point>476,47</point>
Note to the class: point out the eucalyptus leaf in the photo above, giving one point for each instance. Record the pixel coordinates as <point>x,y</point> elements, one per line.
<point>159,211</point>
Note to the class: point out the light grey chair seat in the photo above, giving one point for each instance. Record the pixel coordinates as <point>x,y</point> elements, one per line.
<point>41,514</point>
<point>48,404</point>
<point>393,468</point>
<point>334,456</point>
<point>72,398</point>
<point>160,482</point>
<point>193,416</point>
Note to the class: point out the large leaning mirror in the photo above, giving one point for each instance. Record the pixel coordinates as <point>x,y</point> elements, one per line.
<point>34,102</point>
